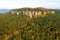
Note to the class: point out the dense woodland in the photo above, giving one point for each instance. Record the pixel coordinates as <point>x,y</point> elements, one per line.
<point>21,27</point>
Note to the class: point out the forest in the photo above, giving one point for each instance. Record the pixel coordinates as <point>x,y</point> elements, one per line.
<point>21,27</point>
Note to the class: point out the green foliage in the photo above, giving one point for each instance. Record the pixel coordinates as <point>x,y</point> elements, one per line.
<point>21,27</point>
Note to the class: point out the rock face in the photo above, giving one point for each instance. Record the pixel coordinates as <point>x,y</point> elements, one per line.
<point>32,11</point>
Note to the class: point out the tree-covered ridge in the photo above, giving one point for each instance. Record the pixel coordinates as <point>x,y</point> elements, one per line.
<point>21,27</point>
<point>32,12</point>
<point>33,9</point>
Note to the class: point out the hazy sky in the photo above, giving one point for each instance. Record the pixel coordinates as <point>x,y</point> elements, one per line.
<point>11,4</point>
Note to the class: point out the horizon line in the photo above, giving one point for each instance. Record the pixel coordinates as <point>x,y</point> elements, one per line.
<point>30,7</point>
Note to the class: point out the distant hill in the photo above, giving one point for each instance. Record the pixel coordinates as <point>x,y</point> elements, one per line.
<point>57,11</point>
<point>39,8</point>
<point>4,10</point>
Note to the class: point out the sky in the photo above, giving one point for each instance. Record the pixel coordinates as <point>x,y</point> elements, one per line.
<point>12,4</point>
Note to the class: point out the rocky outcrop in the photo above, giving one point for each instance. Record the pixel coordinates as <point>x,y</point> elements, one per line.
<point>32,11</point>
